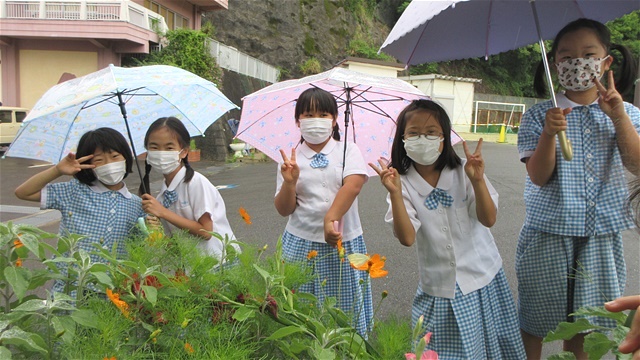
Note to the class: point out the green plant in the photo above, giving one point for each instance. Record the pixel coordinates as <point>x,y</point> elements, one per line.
<point>192,145</point>
<point>311,66</point>
<point>600,340</point>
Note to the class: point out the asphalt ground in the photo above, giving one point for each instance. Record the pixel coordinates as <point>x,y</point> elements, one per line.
<point>252,186</point>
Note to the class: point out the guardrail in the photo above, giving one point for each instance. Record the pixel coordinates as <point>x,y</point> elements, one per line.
<point>231,59</point>
<point>93,10</point>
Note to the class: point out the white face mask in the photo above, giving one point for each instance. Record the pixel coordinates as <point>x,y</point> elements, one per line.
<point>112,173</point>
<point>164,161</point>
<point>316,130</point>
<point>577,74</point>
<point>422,150</point>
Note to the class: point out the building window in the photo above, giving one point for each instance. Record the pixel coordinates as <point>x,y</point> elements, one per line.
<point>173,19</point>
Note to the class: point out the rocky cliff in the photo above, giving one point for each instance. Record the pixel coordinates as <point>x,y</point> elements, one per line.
<point>285,33</point>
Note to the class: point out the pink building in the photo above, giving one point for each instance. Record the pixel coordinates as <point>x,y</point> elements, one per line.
<point>43,42</point>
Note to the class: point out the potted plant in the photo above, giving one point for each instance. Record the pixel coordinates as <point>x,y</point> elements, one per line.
<point>194,152</point>
<point>237,145</point>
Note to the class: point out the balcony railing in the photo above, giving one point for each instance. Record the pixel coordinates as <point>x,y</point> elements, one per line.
<point>93,10</point>
<point>231,59</point>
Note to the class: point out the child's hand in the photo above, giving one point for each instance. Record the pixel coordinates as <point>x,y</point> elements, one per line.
<point>331,233</point>
<point>388,176</point>
<point>631,343</point>
<point>152,206</point>
<point>555,121</point>
<point>474,168</point>
<point>610,100</point>
<point>289,169</point>
<point>69,165</point>
<point>153,222</point>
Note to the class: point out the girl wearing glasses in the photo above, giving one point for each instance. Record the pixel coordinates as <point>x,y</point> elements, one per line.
<point>446,205</point>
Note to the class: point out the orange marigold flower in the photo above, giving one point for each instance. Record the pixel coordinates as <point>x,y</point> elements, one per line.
<point>17,244</point>
<point>245,216</point>
<point>312,254</point>
<point>373,265</point>
<point>19,262</point>
<point>120,304</point>
<point>109,358</point>
<point>340,250</point>
<point>188,348</point>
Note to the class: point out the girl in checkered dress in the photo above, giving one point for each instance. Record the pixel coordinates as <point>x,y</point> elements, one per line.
<point>96,203</point>
<point>315,189</point>
<point>569,252</point>
<point>445,205</point>
<point>187,199</point>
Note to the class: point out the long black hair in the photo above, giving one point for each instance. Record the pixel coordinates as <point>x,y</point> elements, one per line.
<point>318,100</point>
<point>399,158</point>
<point>182,134</point>
<point>627,67</point>
<point>107,140</point>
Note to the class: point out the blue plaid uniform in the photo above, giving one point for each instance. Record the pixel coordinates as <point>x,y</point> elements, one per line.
<point>573,223</point>
<point>105,218</point>
<point>479,325</point>
<point>353,297</point>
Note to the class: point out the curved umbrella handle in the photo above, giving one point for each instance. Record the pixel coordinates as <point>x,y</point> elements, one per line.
<point>565,146</point>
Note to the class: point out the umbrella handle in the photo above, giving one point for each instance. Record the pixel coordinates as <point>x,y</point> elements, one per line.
<point>565,146</point>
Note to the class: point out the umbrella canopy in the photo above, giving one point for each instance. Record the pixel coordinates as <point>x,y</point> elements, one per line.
<point>430,31</point>
<point>125,99</point>
<point>371,105</point>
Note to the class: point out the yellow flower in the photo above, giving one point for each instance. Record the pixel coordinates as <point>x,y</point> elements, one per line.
<point>120,304</point>
<point>245,216</point>
<point>188,348</point>
<point>154,236</point>
<point>312,254</point>
<point>17,244</point>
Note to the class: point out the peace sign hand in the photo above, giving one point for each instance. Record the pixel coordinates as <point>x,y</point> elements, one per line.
<point>289,168</point>
<point>474,168</point>
<point>388,176</point>
<point>610,100</point>
<point>69,165</point>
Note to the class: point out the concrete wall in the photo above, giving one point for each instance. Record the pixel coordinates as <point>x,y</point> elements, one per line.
<point>215,144</point>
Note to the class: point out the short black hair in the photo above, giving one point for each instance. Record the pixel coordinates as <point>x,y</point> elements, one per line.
<point>107,140</point>
<point>399,158</point>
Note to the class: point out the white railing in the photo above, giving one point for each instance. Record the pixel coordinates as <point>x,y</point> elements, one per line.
<point>231,59</point>
<point>94,10</point>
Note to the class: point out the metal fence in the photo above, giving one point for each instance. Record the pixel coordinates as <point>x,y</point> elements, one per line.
<point>231,59</point>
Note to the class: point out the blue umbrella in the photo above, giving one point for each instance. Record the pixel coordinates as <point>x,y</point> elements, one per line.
<point>125,99</point>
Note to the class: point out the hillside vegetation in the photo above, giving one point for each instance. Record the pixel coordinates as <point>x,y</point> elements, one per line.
<point>302,37</point>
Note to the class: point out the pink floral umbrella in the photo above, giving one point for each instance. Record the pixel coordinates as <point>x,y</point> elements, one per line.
<point>370,105</point>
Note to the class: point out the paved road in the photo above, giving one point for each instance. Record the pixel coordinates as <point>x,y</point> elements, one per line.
<point>252,186</point>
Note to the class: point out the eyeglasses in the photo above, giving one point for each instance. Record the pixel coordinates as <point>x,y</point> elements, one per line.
<point>430,135</point>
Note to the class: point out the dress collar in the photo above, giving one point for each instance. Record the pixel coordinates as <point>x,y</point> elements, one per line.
<point>99,188</point>
<point>176,180</point>
<point>423,187</point>
<point>309,153</point>
<point>564,102</point>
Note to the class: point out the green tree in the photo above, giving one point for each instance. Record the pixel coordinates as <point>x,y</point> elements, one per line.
<point>188,50</point>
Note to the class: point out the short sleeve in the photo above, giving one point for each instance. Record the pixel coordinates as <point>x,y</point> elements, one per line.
<point>530,131</point>
<point>411,211</point>
<point>53,195</point>
<point>354,163</point>
<point>205,198</point>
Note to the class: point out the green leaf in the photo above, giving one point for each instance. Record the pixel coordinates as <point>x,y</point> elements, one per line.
<point>99,267</point>
<point>5,353</point>
<point>265,274</point>
<point>60,259</point>
<point>321,353</point>
<point>21,338</point>
<point>243,313</point>
<point>86,318</point>
<point>58,329</point>
<point>31,305</point>
<point>31,242</point>
<point>150,293</point>
<point>567,330</point>
<point>103,278</point>
<point>601,312</point>
<point>17,281</point>
<point>597,345</point>
<point>565,355</point>
<point>285,331</point>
